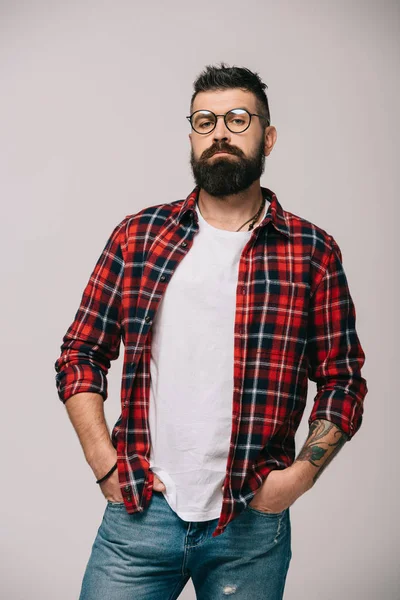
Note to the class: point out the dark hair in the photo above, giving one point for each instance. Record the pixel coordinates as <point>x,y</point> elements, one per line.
<point>225,77</point>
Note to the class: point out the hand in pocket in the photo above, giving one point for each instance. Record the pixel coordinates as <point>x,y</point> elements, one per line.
<point>277,492</point>
<point>111,488</point>
<point>158,485</point>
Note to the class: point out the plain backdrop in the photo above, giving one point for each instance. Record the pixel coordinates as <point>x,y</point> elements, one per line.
<point>92,128</point>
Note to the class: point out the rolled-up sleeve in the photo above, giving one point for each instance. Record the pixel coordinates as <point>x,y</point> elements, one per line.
<point>335,356</point>
<point>93,339</point>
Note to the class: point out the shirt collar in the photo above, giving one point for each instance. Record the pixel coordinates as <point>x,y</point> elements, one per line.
<point>275,212</point>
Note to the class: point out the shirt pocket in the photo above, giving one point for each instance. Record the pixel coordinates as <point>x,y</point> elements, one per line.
<point>278,322</point>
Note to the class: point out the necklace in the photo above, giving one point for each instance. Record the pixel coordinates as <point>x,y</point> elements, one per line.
<point>252,219</point>
<point>255,218</point>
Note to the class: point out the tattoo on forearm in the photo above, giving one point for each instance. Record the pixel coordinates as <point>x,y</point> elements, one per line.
<point>318,452</point>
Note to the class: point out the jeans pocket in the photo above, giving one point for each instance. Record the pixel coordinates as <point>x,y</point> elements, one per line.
<point>116,504</point>
<point>264,513</point>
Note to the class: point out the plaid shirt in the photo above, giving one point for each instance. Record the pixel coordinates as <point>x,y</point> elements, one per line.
<point>294,321</point>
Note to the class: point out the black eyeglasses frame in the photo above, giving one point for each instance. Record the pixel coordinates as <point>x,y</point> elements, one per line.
<point>190,117</point>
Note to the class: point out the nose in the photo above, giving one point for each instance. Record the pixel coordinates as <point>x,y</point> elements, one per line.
<point>221,132</point>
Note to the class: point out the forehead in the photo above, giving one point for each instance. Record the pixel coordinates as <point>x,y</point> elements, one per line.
<point>220,101</point>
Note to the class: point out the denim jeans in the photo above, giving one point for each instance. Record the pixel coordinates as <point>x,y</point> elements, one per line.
<point>152,554</point>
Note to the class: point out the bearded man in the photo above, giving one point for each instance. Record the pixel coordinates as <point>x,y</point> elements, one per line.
<point>227,304</point>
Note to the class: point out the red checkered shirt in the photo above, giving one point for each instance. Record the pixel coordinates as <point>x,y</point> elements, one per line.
<point>294,321</point>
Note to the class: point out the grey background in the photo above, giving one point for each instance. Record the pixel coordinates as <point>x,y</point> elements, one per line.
<point>83,143</point>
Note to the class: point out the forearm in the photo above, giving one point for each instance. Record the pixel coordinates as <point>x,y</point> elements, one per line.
<point>322,444</point>
<point>86,412</point>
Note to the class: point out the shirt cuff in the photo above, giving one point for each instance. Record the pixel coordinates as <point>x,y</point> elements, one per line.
<point>80,378</point>
<point>339,408</point>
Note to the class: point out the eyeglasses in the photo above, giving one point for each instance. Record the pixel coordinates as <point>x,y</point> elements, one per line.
<point>237,120</point>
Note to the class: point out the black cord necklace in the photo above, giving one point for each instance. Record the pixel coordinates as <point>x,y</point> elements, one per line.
<point>255,218</point>
<point>252,219</point>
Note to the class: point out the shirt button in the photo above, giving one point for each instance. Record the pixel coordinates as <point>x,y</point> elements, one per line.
<point>162,278</point>
<point>127,488</point>
<point>147,319</point>
<point>184,244</point>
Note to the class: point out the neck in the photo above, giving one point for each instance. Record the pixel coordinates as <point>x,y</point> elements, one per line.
<point>230,212</point>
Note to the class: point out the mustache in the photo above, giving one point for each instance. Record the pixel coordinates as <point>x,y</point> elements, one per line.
<point>220,148</point>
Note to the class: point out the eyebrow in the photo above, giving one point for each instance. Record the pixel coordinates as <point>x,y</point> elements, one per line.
<point>234,108</point>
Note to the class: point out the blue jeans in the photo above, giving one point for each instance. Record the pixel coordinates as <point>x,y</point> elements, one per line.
<point>150,555</point>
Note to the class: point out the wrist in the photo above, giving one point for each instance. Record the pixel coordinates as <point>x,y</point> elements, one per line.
<point>102,460</point>
<point>108,474</point>
<point>301,475</point>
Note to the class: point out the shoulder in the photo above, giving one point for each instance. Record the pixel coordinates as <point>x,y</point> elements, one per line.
<point>314,243</point>
<point>148,221</point>
<point>310,234</point>
<point>159,212</point>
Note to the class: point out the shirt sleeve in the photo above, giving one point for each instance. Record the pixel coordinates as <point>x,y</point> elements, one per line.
<point>335,356</point>
<point>93,338</point>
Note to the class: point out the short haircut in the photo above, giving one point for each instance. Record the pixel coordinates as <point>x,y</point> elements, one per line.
<point>225,77</point>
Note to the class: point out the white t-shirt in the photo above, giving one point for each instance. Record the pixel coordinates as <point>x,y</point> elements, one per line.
<point>191,368</point>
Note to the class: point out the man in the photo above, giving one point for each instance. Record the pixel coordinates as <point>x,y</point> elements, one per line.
<point>227,304</point>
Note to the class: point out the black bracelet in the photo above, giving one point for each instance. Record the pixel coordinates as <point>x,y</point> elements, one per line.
<point>108,474</point>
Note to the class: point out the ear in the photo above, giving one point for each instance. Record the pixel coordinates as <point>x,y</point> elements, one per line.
<point>270,136</point>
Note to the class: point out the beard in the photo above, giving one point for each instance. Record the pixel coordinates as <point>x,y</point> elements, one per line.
<point>223,176</point>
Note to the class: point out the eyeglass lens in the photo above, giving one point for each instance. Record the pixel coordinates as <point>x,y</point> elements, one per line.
<point>236,120</point>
